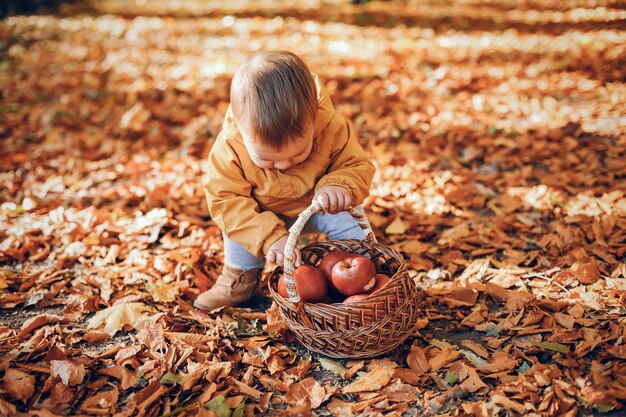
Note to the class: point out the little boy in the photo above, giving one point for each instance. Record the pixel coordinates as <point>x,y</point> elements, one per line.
<point>281,146</point>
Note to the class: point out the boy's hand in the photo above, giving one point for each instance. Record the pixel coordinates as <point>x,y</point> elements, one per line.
<point>275,253</point>
<point>333,199</point>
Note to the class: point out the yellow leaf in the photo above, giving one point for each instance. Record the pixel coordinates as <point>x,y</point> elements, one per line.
<point>114,318</point>
<point>397,227</point>
<point>161,291</point>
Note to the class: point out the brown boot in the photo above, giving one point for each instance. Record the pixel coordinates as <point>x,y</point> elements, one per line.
<point>233,286</point>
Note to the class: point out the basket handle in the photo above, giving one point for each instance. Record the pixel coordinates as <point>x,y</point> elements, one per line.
<point>295,231</point>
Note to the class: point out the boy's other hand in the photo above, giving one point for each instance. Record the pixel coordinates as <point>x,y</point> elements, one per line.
<point>275,253</point>
<point>333,199</point>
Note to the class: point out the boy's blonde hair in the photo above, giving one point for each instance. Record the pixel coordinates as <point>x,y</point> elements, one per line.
<point>273,96</point>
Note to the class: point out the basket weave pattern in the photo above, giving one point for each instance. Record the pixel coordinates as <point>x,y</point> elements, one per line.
<point>366,328</point>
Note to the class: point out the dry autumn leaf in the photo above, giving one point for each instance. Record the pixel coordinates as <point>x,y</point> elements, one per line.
<point>496,129</point>
<point>308,391</point>
<point>69,372</point>
<point>19,385</point>
<point>116,317</point>
<point>417,360</point>
<point>397,227</point>
<point>371,381</point>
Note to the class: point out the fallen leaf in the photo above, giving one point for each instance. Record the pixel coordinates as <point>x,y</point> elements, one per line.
<point>587,272</point>
<point>332,366</point>
<point>340,408</point>
<point>19,385</point>
<point>478,349</point>
<point>476,360</point>
<point>152,335</point>
<point>444,357</point>
<point>163,292</point>
<point>453,234</point>
<point>353,369</point>
<point>307,391</point>
<point>507,403</point>
<point>6,408</point>
<point>60,394</point>
<point>116,317</point>
<point>417,361</point>
<point>565,320</point>
<point>101,402</point>
<point>397,227</point>
<point>500,361</point>
<point>70,373</point>
<point>371,381</point>
<point>470,381</point>
<point>218,406</point>
<point>557,347</point>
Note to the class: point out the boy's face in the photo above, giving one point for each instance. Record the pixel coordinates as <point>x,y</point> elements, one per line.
<point>296,151</point>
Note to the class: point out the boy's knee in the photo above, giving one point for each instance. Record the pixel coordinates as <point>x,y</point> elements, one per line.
<point>238,257</point>
<point>340,226</point>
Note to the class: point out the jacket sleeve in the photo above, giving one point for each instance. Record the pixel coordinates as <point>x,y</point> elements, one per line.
<point>232,206</point>
<point>350,167</point>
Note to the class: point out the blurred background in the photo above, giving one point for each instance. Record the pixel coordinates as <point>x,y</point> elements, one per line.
<point>488,120</point>
<point>498,129</point>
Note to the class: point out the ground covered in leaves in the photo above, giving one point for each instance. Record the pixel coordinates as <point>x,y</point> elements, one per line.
<point>498,135</point>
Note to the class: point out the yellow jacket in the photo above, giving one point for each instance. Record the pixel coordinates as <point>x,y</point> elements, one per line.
<point>244,200</point>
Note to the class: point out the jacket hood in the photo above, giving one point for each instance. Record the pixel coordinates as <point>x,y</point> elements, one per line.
<point>326,110</point>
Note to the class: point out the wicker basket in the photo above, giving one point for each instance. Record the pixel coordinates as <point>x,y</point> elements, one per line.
<point>363,329</point>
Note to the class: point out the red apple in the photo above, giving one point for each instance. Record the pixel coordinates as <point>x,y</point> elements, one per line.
<point>354,275</point>
<point>381,280</point>
<point>311,285</point>
<point>329,260</point>
<point>355,298</point>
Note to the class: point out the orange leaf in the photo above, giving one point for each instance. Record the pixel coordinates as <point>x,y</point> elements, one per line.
<point>19,385</point>
<point>70,373</point>
<point>372,381</point>
<point>417,361</point>
<point>587,272</point>
<point>444,357</point>
<point>306,391</point>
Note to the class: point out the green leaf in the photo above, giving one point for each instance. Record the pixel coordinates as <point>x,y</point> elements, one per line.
<point>476,360</point>
<point>451,378</point>
<point>332,366</point>
<point>218,406</point>
<point>141,383</point>
<point>523,368</point>
<point>239,410</point>
<point>603,407</point>
<point>557,347</point>
<point>13,107</point>
<point>187,403</point>
<point>168,379</point>
<point>556,201</point>
<point>600,407</point>
<point>91,94</point>
<point>493,131</point>
<point>442,344</point>
<point>511,133</point>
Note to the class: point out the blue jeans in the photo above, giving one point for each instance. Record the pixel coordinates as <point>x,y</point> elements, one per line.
<point>335,226</point>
